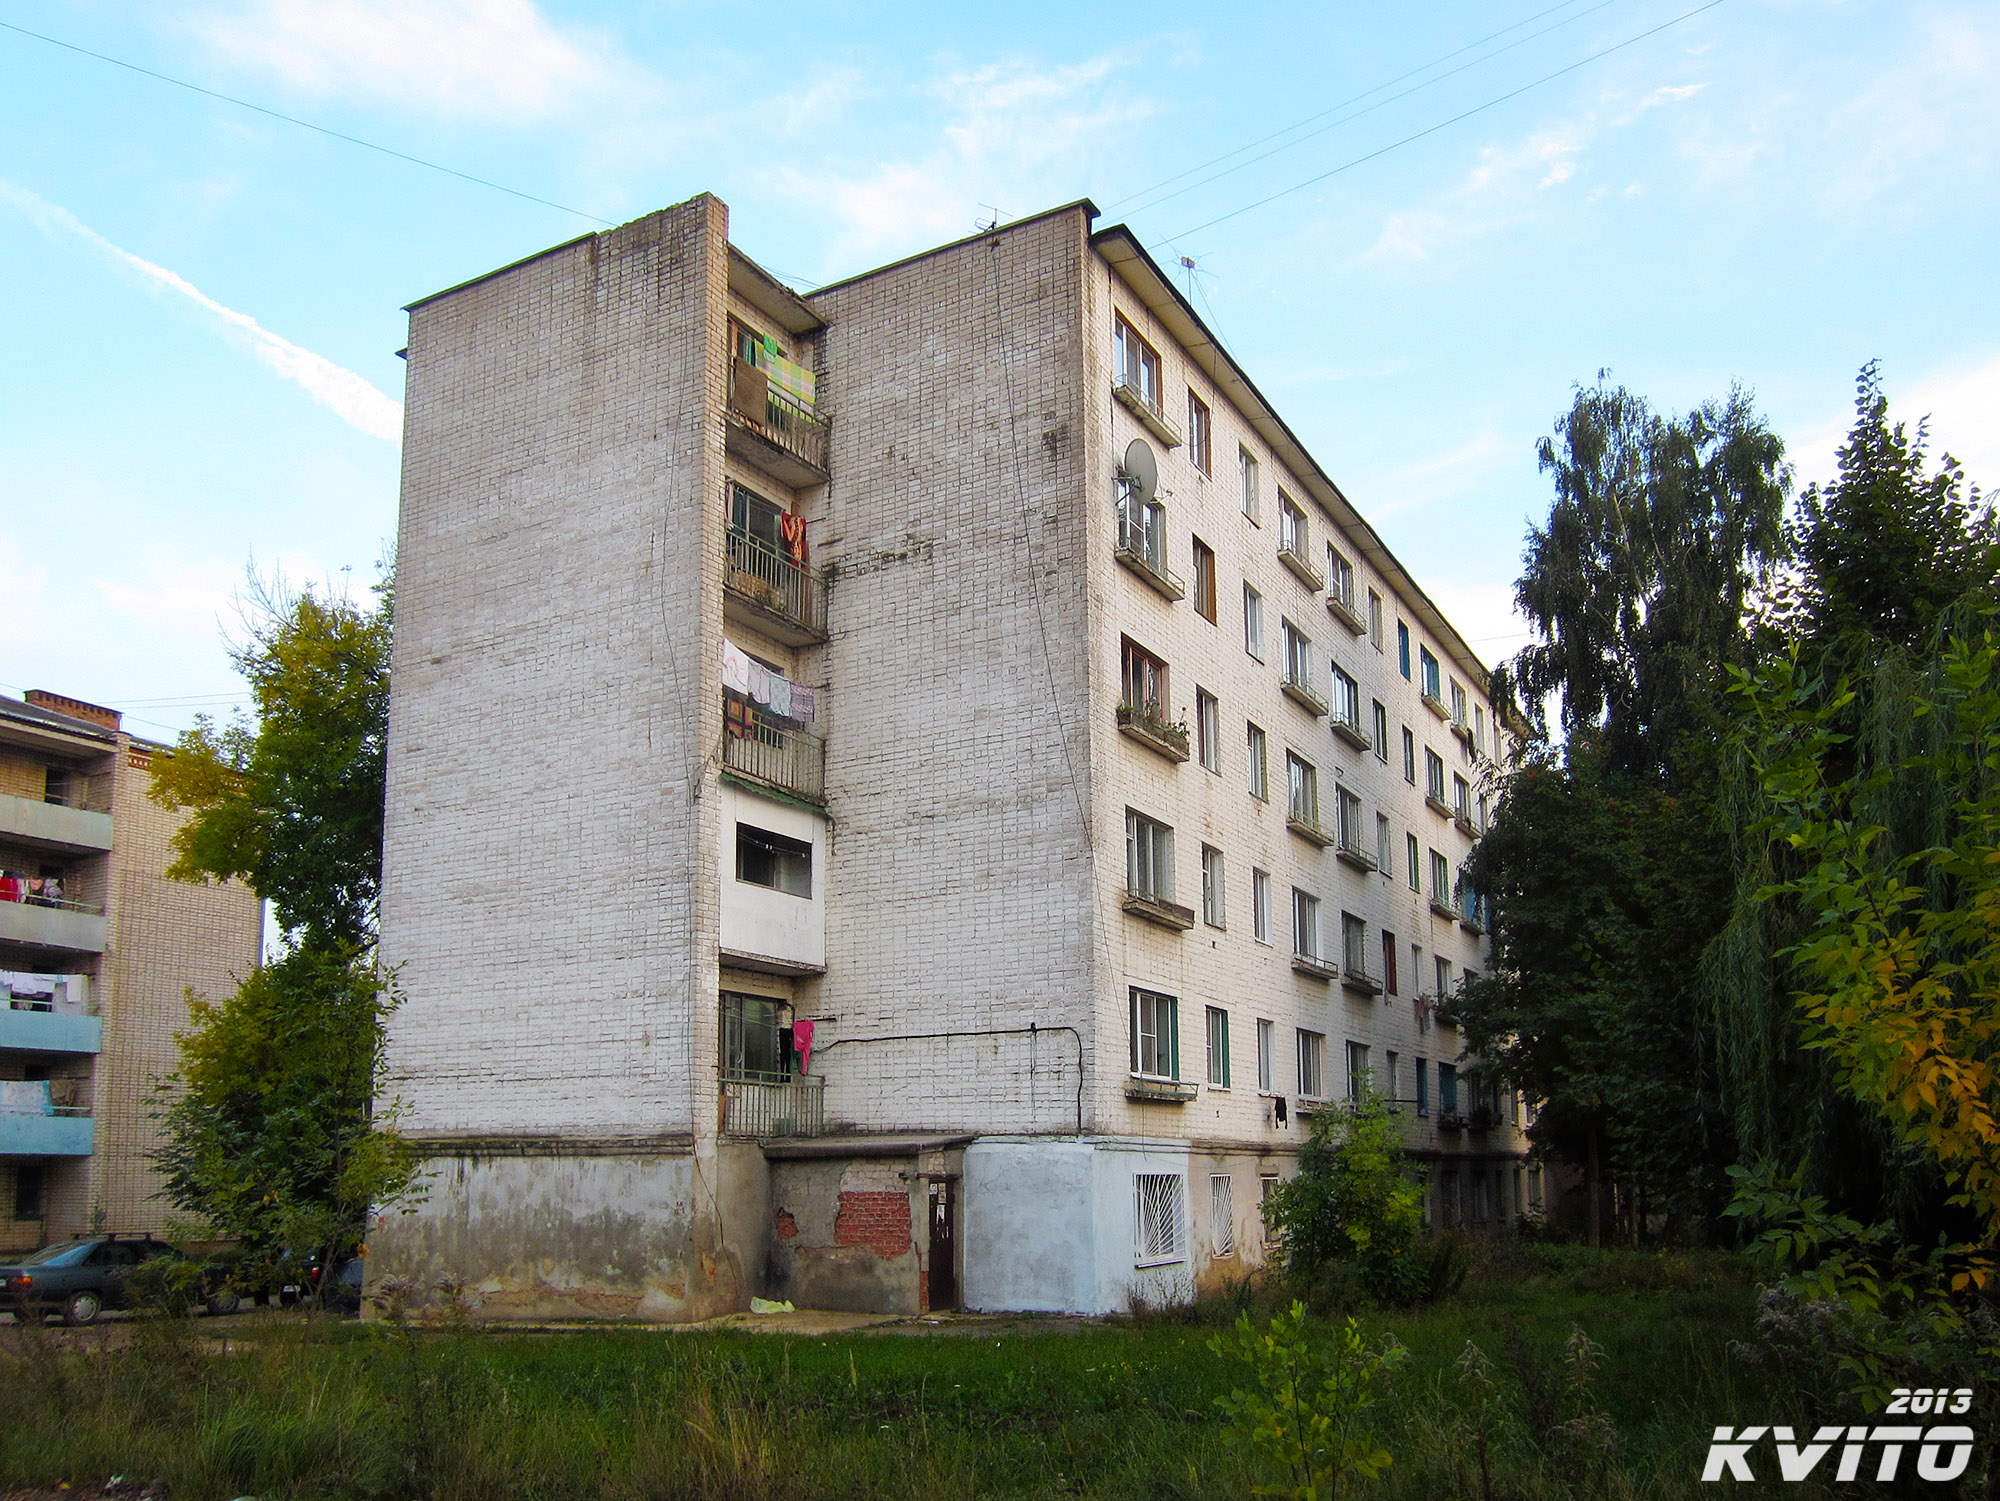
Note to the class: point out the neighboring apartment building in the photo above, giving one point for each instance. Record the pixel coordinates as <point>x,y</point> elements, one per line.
<point>98,950</point>
<point>904,797</point>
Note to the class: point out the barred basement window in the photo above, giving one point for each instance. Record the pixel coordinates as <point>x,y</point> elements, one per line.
<point>1157,1217</point>
<point>1221,1215</point>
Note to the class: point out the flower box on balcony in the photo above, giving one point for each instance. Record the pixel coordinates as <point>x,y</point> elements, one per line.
<point>1154,910</point>
<point>1169,740</point>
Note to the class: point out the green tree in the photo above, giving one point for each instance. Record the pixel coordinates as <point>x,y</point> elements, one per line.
<point>290,801</point>
<point>1353,1202</point>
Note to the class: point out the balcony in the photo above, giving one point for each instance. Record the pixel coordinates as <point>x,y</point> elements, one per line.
<point>1315,966</point>
<point>1134,401</point>
<point>1301,567</point>
<point>1350,852</point>
<point>766,428</point>
<point>1144,725</point>
<point>1451,1120</point>
<point>1436,803</point>
<point>65,1132</point>
<point>1355,980</point>
<point>64,828</point>
<point>780,598</point>
<point>1305,823</point>
<point>1350,731</point>
<point>1435,704</point>
<point>1465,824</point>
<point>27,1031</point>
<point>1160,1091</point>
<point>1462,730</point>
<point>1443,908</point>
<point>1471,918</point>
<point>1159,910</point>
<point>1136,550</point>
<point>51,923</point>
<point>1343,610</point>
<point>765,751</point>
<point>1301,692</point>
<point>791,1107</point>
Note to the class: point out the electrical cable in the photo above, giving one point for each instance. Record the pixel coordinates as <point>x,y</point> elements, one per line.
<point>1442,124</point>
<point>1379,104</point>
<point>1356,99</point>
<point>195,88</point>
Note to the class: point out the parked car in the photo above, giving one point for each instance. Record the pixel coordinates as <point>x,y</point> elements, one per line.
<point>81,1278</point>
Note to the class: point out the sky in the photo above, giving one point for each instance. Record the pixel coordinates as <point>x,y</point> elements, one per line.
<point>1419,228</point>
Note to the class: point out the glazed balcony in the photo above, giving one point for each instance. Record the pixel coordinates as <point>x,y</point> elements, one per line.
<point>767,428</point>
<point>771,593</point>
<point>767,751</point>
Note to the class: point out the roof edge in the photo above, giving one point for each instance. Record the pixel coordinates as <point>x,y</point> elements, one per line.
<point>1089,209</point>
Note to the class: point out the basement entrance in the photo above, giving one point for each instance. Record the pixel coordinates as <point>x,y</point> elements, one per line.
<point>943,1258</point>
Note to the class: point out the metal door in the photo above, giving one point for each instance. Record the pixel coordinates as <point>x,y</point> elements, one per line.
<point>944,1244</point>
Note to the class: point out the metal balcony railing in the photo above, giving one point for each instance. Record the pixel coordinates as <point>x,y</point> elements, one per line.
<point>765,749</point>
<point>773,582</point>
<point>795,1107</point>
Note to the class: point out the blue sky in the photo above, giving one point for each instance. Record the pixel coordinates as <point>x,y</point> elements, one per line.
<point>197,368</point>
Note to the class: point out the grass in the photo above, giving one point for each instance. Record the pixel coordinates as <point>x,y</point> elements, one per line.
<point>1122,1409</point>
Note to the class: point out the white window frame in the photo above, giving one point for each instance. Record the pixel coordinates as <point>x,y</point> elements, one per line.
<point>1409,756</point>
<point>1260,905</point>
<point>1159,1219</point>
<point>1208,729</point>
<point>1375,619</point>
<point>1305,924</point>
<point>1339,576</point>
<point>1217,1021</point>
<point>1312,1064</point>
<point>1149,857</point>
<point>1259,750</point>
<point>1221,1215</point>
<point>1293,528</point>
<point>1301,789</point>
<point>1155,1034</point>
<point>1138,363</point>
<point>1253,620</point>
<point>1212,894</point>
<point>1298,656</point>
<point>1246,472</point>
<point>1382,842</point>
<point>1201,431</point>
<point>1353,944</point>
<point>1347,814</point>
<point>1267,1047</point>
<point>1358,1070</point>
<point>1346,696</point>
<point>1380,727</point>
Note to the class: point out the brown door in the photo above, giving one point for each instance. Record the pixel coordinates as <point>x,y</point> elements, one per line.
<point>944,1244</point>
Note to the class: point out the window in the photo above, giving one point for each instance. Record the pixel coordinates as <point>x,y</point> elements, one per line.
<point>1301,789</point>
<point>1198,435</point>
<point>1142,529</point>
<point>1390,1077</point>
<point>767,859</point>
<point>1204,580</point>
<point>1423,1087</point>
<point>1461,796</point>
<point>1346,698</point>
<point>1457,702</point>
<point>1417,969</point>
<point>1211,886</point>
<point>1381,728</point>
<point>1409,756</point>
<point>1291,527</point>
<point>1482,812</point>
<point>1246,470</point>
<point>1138,363</point>
<point>1430,673</point>
<point>1305,924</point>
<point>1433,775</point>
<point>1403,649</point>
<point>1156,1217</point>
<point>753,1049</point>
<point>1441,971</point>
<point>1312,1065</point>
<point>1266,1050</point>
<point>1298,657</point>
<point>1389,984</point>
<point>1149,858</point>
<point>1357,1070</point>
<point>1208,729</point>
<point>1260,905</point>
<point>1353,944</point>
<point>1218,1047</point>
<point>1375,619</point>
<point>1479,725</point>
<point>1260,779</point>
<point>1382,843</point>
<point>1448,1089</point>
<point>1440,880</point>
<point>1156,1041</point>
<point>1145,682</point>
<point>1414,871</point>
<point>1347,808</point>
<point>757,522</point>
<point>1221,1215</point>
<point>28,1190</point>
<point>1253,621</point>
<point>1339,576</point>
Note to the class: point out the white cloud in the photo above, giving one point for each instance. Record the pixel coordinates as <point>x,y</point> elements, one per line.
<point>483,59</point>
<point>347,395</point>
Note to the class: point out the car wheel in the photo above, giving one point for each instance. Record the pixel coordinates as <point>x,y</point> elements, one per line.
<point>82,1308</point>
<point>224,1300</point>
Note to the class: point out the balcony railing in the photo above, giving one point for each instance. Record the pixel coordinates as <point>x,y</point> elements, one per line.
<point>764,749</point>
<point>1342,609</point>
<point>1350,850</point>
<point>1348,727</point>
<point>775,418</point>
<point>795,1107</point>
<point>1139,549</point>
<point>1298,687</point>
<point>1293,556</point>
<point>774,584</point>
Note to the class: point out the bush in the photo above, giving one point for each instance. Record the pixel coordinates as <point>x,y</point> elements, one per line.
<point>1353,1205</point>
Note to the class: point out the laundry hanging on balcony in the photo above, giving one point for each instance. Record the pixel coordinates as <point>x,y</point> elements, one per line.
<point>795,382</point>
<point>794,528</point>
<point>742,674</point>
<point>24,1097</point>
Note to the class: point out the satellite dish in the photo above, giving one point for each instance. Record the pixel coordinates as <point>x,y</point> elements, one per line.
<point>1142,470</point>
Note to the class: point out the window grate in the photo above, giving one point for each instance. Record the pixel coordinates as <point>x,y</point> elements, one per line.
<point>1157,1204</point>
<point>1221,1215</point>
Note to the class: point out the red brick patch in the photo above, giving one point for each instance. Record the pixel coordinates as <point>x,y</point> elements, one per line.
<point>879,1221</point>
<point>787,1226</point>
